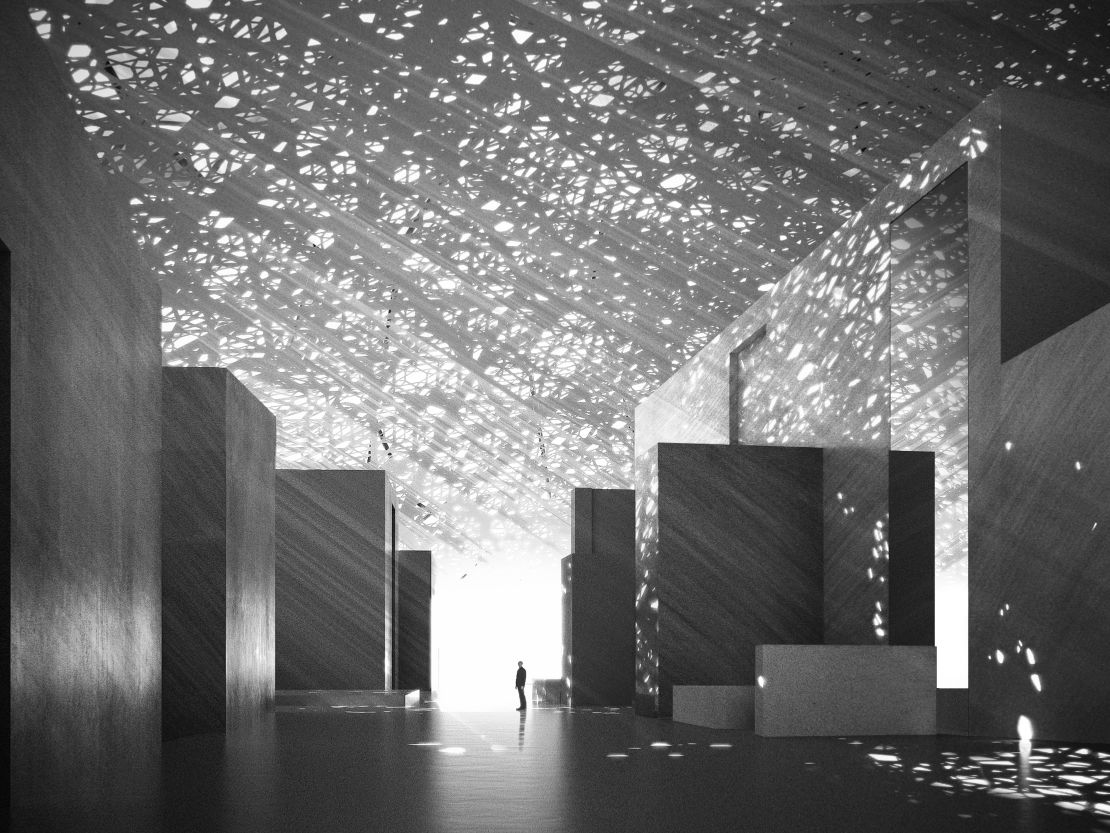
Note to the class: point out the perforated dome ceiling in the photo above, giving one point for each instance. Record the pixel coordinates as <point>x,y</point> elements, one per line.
<point>461,240</point>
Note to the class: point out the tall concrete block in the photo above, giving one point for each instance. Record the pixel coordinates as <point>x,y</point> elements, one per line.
<point>82,433</point>
<point>414,620</point>
<point>910,538</point>
<point>1039,463</point>
<point>566,576</point>
<point>335,589</point>
<point>729,556</point>
<point>601,599</point>
<point>857,349</point>
<point>856,490</point>
<point>218,445</point>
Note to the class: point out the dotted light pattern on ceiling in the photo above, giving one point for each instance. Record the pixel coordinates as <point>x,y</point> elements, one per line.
<point>461,240</point>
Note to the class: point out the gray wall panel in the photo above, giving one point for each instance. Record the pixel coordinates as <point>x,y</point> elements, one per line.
<point>737,563</point>
<point>414,620</point>
<point>911,540</point>
<point>194,550</point>
<point>1040,536</point>
<point>1055,186</point>
<point>855,545</point>
<point>821,376</point>
<point>830,690</point>
<point>250,662</point>
<point>1040,630</point>
<point>218,553</point>
<point>332,569</point>
<point>85,609</point>
<point>600,614</point>
<point>566,577</point>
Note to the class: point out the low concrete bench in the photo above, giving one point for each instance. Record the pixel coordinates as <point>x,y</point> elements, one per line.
<point>715,706</point>
<point>811,690</point>
<point>348,699</point>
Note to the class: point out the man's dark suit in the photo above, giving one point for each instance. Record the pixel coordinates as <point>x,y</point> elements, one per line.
<point>521,676</point>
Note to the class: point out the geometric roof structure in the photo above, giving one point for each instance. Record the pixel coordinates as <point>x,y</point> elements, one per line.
<point>461,240</point>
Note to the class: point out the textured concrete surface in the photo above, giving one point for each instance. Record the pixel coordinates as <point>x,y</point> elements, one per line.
<point>324,699</point>
<point>715,706</point>
<point>735,561</point>
<point>1040,626</point>
<point>600,644</point>
<point>1039,470</point>
<point>85,379</point>
<point>251,611</point>
<point>856,503</point>
<point>820,377</point>
<point>952,711</point>
<point>218,446</point>
<point>566,577</point>
<point>894,492</point>
<point>830,690</point>
<point>334,579</point>
<point>929,273</point>
<point>1054,217</point>
<point>911,536</point>
<point>414,620</point>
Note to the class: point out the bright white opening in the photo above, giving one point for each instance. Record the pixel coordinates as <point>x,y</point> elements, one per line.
<point>951,626</point>
<point>484,623</point>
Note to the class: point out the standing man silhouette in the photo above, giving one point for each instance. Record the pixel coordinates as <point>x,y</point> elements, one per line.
<point>521,676</point>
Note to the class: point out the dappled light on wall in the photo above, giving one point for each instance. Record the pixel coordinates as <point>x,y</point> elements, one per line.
<point>647,590</point>
<point>929,348</point>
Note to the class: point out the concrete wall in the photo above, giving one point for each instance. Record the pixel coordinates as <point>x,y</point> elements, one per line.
<point>566,579</point>
<point>385,509</point>
<point>910,539</point>
<point>856,489</point>
<point>334,579</point>
<point>414,620</point>
<point>1024,382</point>
<point>1039,462</point>
<point>85,391</point>
<point>734,561</point>
<point>820,376</point>
<point>218,445</point>
<point>601,648</point>
<point>251,612</point>
<point>895,491</point>
<point>929,263</point>
<point>835,690</point>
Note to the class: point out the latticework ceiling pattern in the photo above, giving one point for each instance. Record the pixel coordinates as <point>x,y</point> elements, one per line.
<point>460,240</point>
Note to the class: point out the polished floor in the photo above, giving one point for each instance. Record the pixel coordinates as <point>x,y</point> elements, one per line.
<point>364,769</point>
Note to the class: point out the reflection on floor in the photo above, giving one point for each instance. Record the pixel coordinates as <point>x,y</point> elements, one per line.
<point>397,770</point>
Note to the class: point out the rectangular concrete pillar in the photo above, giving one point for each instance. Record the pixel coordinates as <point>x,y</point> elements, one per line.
<point>600,599</point>
<point>878,546</point>
<point>414,619</point>
<point>856,526</point>
<point>566,576</point>
<point>729,557</point>
<point>335,591</point>
<point>81,345</point>
<point>911,536</point>
<point>218,445</point>
<point>1039,412</point>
